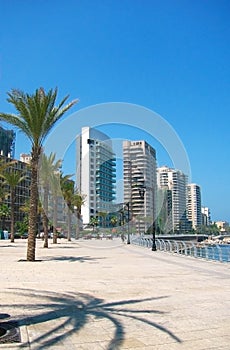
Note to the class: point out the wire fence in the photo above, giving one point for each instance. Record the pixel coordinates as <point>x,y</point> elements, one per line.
<point>218,252</point>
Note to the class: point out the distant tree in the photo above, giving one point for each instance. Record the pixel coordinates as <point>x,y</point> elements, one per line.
<point>22,226</point>
<point>213,229</point>
<point>93,222</point>
<point>4,213</point>
<point>102,215</point>
<point>113,221</point>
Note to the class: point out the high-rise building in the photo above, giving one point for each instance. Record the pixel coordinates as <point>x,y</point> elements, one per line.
<point>96,174</point>
<point>139,166</point>
<point>176,182</point>
<point>194,205</point>
<point>7,142</point>
<point>206,216</point>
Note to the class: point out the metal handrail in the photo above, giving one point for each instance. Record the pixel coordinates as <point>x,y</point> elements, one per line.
<point>192,249</point>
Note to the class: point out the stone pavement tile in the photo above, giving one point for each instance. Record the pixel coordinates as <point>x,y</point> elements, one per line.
<point>193,344</point>
<point>75,287</point>
<point>81,337</point>
<point>15,347</point>
<point>131,343</point>
<point>91,346</point>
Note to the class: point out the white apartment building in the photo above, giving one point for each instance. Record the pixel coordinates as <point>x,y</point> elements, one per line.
<point>175,181</point>
<point>194,205</point>
<point>222,225</point>
<point>206,216</point>
<point>139,169</point>
<point>96,173</point>
<point>25,158</point>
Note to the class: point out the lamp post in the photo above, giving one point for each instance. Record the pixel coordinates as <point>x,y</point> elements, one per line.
<point>127,205</point>
<point>128,218</point>
<point>142,195</point>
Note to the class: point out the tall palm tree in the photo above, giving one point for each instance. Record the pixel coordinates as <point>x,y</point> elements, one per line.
<point>12,177</point>
<point>74,201</point>
<point>48,167</point>
<point>79,200</point>
<point>36,116</point>
<point>67,187</point>
<point>56,192</point>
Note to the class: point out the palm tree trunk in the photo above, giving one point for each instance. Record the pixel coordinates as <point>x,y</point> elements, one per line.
<point>45,223</point>
<point>45,218</point>
<point>78,217</point>
<point>31,246</point>
<point>69,224</point>
<point>12,215</point>
<point>55,220</point>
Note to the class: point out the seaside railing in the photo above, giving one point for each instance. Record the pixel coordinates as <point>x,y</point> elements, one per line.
<point>218,252</point>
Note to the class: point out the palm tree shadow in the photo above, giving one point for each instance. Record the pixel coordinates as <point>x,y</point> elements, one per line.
<point>73,311</point>
<point>81,259</point>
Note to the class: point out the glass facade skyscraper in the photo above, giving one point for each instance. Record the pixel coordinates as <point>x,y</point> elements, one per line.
<point>96,174</point>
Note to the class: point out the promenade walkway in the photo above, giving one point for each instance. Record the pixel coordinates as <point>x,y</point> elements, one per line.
<point>107,295</point>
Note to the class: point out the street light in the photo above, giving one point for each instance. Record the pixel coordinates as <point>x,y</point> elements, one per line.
<point>128,218</point>
<point>142,195</point>
<point>127,205</point>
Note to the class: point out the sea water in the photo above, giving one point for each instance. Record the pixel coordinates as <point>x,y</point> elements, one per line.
<point>220,252</point>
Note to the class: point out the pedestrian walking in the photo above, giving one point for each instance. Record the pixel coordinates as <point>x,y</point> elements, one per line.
<point>6,234</point>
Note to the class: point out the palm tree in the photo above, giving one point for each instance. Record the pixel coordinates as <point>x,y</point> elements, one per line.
<point>56,192</point>
<point>93,222</point>
<point>67,187</point>
<point>12,178</point>
<point>4,213</point>
<point>113,221</point>
<point>79,200</point>
<point>103,215</point>
<point>36,116</point>
<point>48,167</point>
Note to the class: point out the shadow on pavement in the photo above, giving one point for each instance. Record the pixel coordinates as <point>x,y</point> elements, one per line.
<point>70,258</point>
<point>71,312</point>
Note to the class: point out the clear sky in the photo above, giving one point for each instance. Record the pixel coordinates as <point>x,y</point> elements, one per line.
<point>169,56</point>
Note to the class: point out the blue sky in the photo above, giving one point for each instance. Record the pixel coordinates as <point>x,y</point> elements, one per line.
<point>169,56</point>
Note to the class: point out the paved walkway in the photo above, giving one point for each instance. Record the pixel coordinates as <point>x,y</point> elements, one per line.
<point>106,295</point>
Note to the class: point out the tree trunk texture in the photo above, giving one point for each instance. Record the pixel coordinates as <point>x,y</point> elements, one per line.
<point>31,245</point>
<point>45,217</point>
<point>12,215</point>
<point>69,224</point>
<point>55,220</point>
